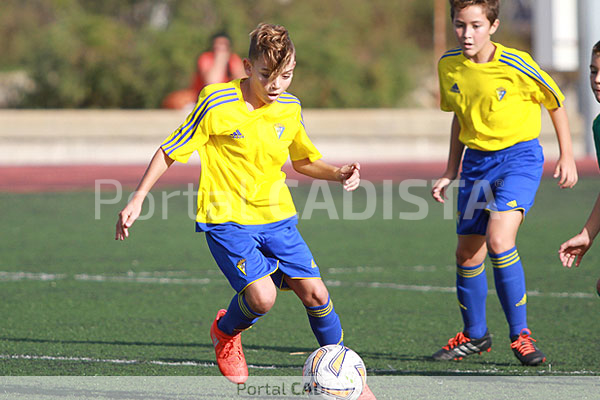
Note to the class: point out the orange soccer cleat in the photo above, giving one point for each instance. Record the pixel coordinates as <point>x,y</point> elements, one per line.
<point>228,349</point>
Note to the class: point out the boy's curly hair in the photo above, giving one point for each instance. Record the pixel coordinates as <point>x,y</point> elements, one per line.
<point>274,44</point>
<point>490,7</point>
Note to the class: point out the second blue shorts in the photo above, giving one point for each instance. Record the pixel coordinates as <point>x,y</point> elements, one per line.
<point>247,253</point>
<point>497,181</point>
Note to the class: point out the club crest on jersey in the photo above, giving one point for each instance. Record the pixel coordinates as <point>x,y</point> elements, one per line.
<point>454,88</point>
<point>237,134</point>
<point>242,265</point>
<point>279,128</point>
<point>500,93</point>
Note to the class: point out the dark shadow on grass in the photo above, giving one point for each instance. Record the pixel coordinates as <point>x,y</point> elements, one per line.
<point>439,368</point>
<point>182,361</point>
<point>394,357</point>
<point>283,349</point>
<point>472,367</point>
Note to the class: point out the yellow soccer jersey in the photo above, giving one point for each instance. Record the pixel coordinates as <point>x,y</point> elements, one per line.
<point>241,154</point>
<point>497,103</point>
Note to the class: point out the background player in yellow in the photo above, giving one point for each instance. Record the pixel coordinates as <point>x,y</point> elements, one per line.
<point>244,131</point>
<point>575,248</point>
<point>495,94</point>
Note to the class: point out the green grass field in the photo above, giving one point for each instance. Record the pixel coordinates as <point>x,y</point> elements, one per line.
<point>76,302</point>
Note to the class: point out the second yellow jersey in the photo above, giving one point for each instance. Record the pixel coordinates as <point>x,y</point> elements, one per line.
<point>241,154</point>
<point>497,103</point>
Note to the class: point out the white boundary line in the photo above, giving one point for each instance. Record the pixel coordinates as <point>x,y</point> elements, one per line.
<point>30,276</point>
<point>165,278</point>
<point>118,361</point>
<point>143,279</point>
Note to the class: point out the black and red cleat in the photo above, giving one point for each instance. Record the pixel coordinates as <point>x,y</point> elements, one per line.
<point>461,346</point>
<point>525,350</point>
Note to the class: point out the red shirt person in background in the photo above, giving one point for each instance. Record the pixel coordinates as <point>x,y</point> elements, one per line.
<point>219,65</point>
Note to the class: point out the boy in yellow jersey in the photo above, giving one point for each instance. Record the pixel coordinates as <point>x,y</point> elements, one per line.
<point>495,93</point>
<point>575,248</point>
<point>244,131</point>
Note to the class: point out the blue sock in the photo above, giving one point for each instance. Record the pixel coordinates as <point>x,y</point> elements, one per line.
<point>325,324</point>
<point>510,286</point>
<point>471,289</point>
<point>239,316</point>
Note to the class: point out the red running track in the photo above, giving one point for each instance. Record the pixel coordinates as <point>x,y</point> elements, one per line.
<point>32,179</point>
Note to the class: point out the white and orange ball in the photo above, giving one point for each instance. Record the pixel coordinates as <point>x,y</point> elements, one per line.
<point>334,372</point>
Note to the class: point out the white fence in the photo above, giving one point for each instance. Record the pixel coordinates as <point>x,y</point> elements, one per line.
<point>55,137</point>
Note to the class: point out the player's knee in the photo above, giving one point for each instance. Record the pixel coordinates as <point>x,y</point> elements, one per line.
<point>261,301</point>
<point>499,244</point>
<point>468,257</point>
<point>464,256</point>
<point>470,251</point>
<point>316,295</point>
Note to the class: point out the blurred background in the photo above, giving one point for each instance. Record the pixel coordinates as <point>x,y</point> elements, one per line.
<point>351,54</point>
<point>132,53</point>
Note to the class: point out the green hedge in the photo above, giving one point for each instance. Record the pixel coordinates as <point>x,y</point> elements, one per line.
<point>122,54</point>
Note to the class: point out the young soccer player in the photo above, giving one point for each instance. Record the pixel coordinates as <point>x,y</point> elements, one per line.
<point>245,130</point>
<point>495,93</point>
<point>575,248</point>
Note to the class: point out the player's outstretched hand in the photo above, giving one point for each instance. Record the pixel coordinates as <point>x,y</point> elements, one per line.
<point>566,172</point>
<point>439,189</point>
<point>574,249</point>
<point>350,176</point>
<point>127,217</point>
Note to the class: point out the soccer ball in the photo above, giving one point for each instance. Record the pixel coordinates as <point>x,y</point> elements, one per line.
<point>334,372</point>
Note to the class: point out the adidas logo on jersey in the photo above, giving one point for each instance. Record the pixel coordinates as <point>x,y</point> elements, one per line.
<point>512,203</point>
<point>237,135</point>
<point>455,89</point>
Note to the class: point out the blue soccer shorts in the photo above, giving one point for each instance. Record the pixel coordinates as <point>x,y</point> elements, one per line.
<point>497,181</point>
<point>247,253</point>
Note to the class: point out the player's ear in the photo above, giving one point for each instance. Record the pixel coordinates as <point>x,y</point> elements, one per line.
<point>247,67</point>
<point>494,26</point>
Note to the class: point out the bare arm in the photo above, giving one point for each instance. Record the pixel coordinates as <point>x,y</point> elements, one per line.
<point>575,248</point>
<point>348,175</point>
<point>454,157</point>
<point>565,169</point>
<point>159,164</point>
<point>592,226</point>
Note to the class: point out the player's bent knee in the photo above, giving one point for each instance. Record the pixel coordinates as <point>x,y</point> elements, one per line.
<point>315,294</point>
<point>261,303</point>
<point>261,298</point>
